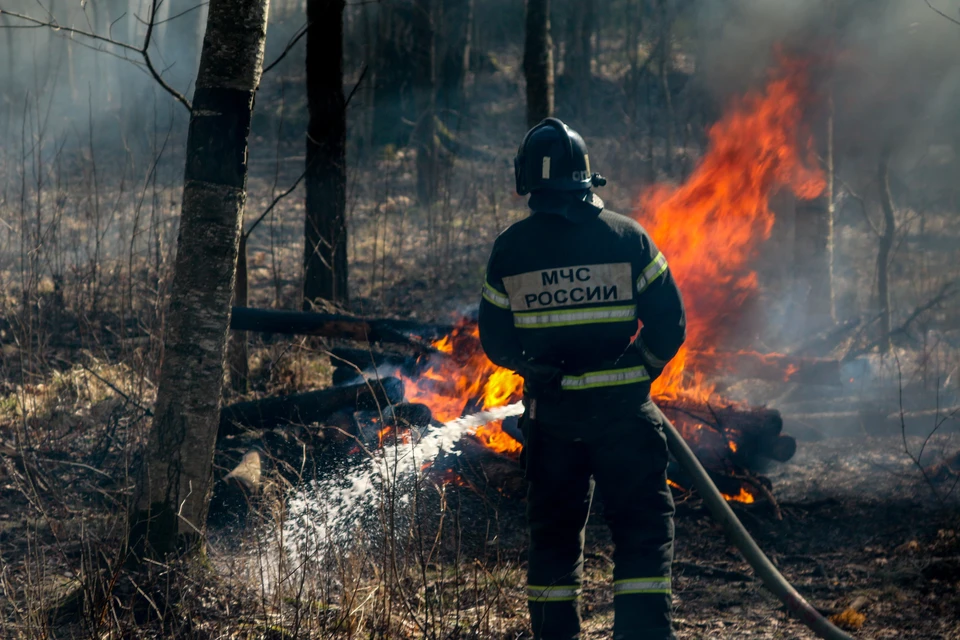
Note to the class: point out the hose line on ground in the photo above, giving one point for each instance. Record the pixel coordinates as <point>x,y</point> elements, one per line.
<point>772,579</point>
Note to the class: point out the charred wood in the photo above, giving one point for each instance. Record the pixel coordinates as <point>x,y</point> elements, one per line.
<point>305,408</point>
<point>481,466</point>
<point>336,326</point>
<point>761,421</point>
<point>739,433</point>
<point>727,484</point>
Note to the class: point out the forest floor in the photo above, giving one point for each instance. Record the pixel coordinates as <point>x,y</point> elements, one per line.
<point>861,527</point>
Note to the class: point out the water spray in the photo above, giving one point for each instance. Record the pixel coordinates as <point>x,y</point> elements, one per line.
<point>359,486</point>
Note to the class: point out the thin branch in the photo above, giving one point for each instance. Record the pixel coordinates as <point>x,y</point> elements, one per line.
<point>863,206</point>
<point>21,26</point>
<point>363,74</point>
<point>275,202</point>
<point>146,58</point>
<point>903,434</point>
<point>953,20</point>
<point>120,393</point>
<point>172,18</point>
<point>296,183</point>
<point>142,50</point>
<point>119,18</point>
<point>945,292</point>
<point>302,31</point>
<point>57,27</point>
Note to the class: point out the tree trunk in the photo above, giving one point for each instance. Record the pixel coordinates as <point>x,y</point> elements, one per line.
<point>425,98</point>
<point>392,97</point>
<point>663,62</point>
<point>538,62</point>
<point>177,473</point>
<point>578,54</point>
<point>813,245</point>
<point>456,33</point>
<point>883,251</point>
<point>634,26</point>
<point>325,228</point>
<point>831,213</point>
<point>368,90</point>
<point>238,362</point>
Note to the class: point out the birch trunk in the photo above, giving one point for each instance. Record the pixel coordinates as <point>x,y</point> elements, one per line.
<point>176,478</point>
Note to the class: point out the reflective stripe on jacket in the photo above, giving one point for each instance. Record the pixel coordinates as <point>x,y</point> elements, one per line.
<point>569,294</point>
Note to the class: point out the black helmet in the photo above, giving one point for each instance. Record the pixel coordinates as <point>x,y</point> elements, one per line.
<point>553,156</point>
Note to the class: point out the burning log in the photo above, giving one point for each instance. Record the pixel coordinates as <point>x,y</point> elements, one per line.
<point>740,434</point>
<point>726,484</point>
<point>759,420</point>
<point>304,408</point>
<point>336,326</point>
<point>480,466</point>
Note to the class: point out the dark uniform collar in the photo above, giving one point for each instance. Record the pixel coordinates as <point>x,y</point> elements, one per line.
<point>576,206</point>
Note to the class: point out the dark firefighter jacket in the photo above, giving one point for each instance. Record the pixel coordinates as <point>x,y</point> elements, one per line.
<point>564,290</point>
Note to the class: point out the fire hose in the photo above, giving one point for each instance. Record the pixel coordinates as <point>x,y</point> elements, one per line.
<point>738,535</point>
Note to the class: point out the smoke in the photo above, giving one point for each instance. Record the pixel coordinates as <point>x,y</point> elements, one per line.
<point>891,67</point>
<point>58,82</point>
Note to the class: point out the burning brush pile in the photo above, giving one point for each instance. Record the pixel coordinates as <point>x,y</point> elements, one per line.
<point>710,228</point>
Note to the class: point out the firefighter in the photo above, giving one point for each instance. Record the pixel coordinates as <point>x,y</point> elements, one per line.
<point>564,290</point>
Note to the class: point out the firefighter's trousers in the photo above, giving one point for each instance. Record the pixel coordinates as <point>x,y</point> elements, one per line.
<point>627,458</point>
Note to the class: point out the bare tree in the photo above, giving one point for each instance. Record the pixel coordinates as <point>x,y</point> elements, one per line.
<point>176,479</point>
<point>538,61</point>
<point>456,37</point>
<point>393,104</point>
<point>664,51</point>
<point>325,226</point>
<point>425,99</point>
<point>578,53</point>
<point>884,247</point>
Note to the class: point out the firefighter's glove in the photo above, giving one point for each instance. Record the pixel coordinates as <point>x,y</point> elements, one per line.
<point>651,362</point>
<point>542,381</point>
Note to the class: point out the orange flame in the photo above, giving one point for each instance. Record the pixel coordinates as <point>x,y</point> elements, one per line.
<point>463,375</point>
<point>744,496</point>
<point>711,226</point>
<point>710,229</point>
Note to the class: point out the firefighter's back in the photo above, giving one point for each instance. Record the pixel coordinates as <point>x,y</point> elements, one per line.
<point>571,287</point>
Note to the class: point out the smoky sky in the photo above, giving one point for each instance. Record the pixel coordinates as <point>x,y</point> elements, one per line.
<point>64,84</point>
<point>892,67</point>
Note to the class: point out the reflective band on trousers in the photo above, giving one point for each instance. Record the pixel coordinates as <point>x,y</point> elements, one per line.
<point>573,317</point>
<point>631,586</point>
<point>494,297</point>
<point>553,594</point>
<point>651,272</point>
<point>611,378</point>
